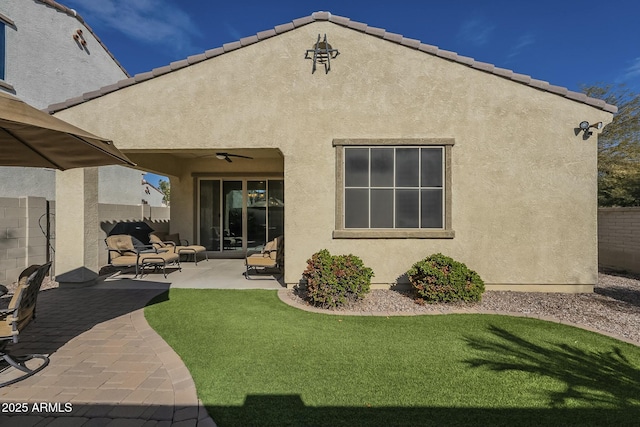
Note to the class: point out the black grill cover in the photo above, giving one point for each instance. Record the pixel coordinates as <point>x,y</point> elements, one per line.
<point>138,230</point>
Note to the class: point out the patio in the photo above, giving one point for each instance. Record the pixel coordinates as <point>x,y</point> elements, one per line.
<point>216,273</point>
<point>108,367</point>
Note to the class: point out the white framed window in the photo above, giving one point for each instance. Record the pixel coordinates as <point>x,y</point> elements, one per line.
<point>388,188</point>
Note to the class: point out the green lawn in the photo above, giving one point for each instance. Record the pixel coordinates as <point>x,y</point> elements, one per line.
<point>257,361</point>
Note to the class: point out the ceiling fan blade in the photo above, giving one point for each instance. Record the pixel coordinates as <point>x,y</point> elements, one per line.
<point>226,156</point>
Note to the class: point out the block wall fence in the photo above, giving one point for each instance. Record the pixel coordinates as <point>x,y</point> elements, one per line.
<point>23,224</point>
<point>619,239</point>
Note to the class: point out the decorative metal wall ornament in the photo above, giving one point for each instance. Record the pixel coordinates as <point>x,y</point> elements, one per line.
<point>323,53</point>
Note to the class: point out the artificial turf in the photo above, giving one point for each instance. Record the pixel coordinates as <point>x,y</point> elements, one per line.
<point>256,361</point>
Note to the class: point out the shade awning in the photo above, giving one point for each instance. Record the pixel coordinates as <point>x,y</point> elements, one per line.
<point>32,138</point>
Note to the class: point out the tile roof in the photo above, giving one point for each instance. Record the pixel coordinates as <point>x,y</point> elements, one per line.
<point>345,22</point>
<point>72,12</point>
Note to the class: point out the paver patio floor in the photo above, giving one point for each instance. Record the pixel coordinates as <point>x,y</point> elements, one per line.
<point>108,367</point>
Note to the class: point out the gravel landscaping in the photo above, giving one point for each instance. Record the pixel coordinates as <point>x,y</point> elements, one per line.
<point>613,309</point>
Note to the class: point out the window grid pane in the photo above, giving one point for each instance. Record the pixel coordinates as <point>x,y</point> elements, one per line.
<point>382,167</point>
<point>414,183</point>
<point>407,208</point>
<point>356,208</point>
<point>356,162</point>
<point>382,215</point>
<point>407,167</point>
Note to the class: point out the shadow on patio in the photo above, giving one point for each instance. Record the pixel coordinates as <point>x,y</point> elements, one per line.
<point>64,314</point>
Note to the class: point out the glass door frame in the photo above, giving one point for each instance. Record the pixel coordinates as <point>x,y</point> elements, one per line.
<point>244,179</point>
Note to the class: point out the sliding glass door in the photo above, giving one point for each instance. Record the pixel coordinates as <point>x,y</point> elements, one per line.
<point>238,215</point>
<point>232,224</point>
<point>210,214</point>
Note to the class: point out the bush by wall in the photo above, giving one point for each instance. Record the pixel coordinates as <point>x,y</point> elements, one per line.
<point>333,280</point>
<point>438,278</point>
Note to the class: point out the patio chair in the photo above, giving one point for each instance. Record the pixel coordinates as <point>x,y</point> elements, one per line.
<point>173,243</point>
<point>20,312</point>
<point>271,257</point>
<point>123,253</point>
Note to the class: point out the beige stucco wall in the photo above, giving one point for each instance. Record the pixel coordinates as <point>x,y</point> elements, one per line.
<point>523,184</point>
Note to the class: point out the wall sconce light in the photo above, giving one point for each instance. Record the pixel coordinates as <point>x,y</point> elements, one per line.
<point>323,53</point>
<point>584,127</point>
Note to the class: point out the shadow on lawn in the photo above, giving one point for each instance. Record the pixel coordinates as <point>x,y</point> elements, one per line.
<point>290,410</point>
<point>602,378</point>
<point>607,381</point>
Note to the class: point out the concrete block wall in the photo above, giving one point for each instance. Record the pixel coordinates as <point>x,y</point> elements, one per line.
<point>619,239</point>
<point>23,242</point>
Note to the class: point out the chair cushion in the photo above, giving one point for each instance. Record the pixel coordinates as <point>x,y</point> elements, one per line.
<point>159,258</point>
<point>29,283</point>
<point>259,260</point>
<point>270,246</point>
<point>159,234</point>
<point>148,258</point>
<point>124,260</point>
<point>191,248</point>
<point>121,243</point>
<point>156,241</point>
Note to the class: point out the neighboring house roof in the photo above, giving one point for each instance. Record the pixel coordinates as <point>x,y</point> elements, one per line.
<point>345,22</point>
<point>72,12</point>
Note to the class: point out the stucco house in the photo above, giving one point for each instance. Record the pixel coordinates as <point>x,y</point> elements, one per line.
<point>376,145</point>
<point>48,53</point>
<point>151,195</point>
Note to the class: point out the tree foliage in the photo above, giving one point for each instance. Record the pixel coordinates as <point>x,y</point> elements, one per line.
<point>619,147</point>
<point>165,187</point>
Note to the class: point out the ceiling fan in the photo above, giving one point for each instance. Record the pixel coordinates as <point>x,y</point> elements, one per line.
<point>227,156</point>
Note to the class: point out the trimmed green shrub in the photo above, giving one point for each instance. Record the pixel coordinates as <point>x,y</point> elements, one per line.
<point>333,280</point>
<point>438,278</point>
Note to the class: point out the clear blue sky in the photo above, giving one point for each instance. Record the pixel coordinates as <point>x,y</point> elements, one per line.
<point>565,42</point>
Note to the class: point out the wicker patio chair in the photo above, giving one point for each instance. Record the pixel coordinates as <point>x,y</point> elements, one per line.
<point>123,253</point>
<point>20,312</point>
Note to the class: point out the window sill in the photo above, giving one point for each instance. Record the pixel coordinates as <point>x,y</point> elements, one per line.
<point>393,234</point>
<point>7,86</point>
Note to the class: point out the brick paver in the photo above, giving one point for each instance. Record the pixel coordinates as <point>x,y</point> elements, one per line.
<point>108,367</point>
